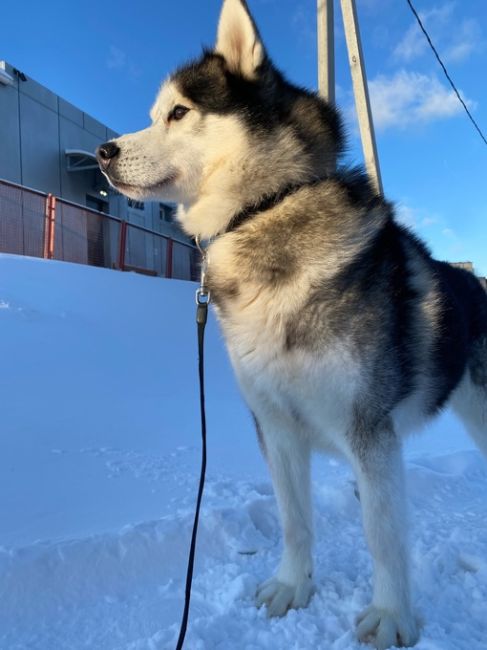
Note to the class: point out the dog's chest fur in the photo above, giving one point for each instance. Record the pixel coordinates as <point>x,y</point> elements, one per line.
<point>257,298</point>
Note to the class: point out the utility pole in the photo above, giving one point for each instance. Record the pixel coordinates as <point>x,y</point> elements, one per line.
<point>326,50</point>
<point>326,76</point>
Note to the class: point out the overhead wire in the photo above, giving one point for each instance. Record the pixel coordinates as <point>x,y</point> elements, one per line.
<point>423,29</point>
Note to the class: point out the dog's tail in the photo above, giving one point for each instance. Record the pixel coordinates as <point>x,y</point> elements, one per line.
<point>470,398</point>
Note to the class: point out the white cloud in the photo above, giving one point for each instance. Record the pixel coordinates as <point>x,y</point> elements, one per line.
<point>375,5</point>
<point>448,232</point>
<point>416,219</point>
<point>412,45</point>
<point>406,216</point>
<point>456,39</point>
<point>407,98</point>
<point>433,229</point>
<point>303,22</point>
<point>468,40</point>
<point>116,58</point>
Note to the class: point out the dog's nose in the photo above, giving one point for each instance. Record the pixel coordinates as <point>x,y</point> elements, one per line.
<point>106,152</point>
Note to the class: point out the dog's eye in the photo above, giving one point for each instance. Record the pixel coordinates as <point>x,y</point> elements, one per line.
<point>178,112</point>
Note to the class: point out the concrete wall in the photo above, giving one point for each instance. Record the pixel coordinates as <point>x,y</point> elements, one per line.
<point>36,128</point>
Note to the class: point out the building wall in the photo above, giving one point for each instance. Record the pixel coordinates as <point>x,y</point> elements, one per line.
<point>468,266</point>
<point>36,128</point>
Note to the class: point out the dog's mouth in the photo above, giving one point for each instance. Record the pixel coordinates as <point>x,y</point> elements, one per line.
<point>142,190</point>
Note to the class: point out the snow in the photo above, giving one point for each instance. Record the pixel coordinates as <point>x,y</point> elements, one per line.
<point>99,467</point>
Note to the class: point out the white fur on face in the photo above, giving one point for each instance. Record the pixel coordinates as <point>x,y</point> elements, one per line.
<point>153,163</point>
<point>184,161</point>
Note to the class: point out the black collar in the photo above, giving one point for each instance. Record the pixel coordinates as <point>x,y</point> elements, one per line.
<point>266,203</point>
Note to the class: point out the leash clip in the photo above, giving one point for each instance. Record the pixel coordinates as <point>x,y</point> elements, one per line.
<point>203,296</point>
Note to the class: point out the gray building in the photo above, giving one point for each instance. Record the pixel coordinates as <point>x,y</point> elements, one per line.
<point>48,144</point>
<point>468,266</point>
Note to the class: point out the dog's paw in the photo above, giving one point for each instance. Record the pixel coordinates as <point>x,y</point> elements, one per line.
<point>280,597</point>
<point>383,629</point>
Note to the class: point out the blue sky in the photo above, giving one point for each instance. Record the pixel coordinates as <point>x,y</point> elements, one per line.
<point>108,59</point>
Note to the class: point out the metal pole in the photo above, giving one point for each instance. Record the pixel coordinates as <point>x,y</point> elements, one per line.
<point>122,243</point>
<point>361,93</point>
<point>326,50</point>
<point>49,227</point>
<point>52,235</point>
<point>169,254</point>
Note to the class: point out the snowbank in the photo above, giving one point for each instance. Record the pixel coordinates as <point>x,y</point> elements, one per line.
<point>98,474</point>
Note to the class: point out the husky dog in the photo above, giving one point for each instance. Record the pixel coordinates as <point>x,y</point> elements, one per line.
<point>343,332</point>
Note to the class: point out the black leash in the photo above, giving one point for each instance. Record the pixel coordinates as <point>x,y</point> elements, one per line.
<point>202,302</point>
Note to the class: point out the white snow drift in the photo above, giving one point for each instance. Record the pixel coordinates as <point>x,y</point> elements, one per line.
<point>98,474</point>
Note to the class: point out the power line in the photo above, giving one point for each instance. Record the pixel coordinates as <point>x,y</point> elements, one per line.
<point>445,70</point>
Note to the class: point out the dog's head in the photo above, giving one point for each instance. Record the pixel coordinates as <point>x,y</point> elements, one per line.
<point>222,121</point>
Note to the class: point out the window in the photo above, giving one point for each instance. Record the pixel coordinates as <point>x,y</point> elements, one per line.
<point>137,205</point>
<point>95,231</point>
<point>167,212</point>
<point>97,204</point>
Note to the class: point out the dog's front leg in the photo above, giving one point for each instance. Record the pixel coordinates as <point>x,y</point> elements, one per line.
<point>288,456</point>
<point>389,620</point>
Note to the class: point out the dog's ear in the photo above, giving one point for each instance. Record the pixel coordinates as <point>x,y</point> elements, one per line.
<point>238,39</point>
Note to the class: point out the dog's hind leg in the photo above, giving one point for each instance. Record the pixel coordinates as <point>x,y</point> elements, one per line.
<point>469,399</point>
<point>288,457</point>
<point>377,461</point>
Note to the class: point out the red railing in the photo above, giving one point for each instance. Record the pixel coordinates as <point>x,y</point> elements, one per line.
<point>42,225</point>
